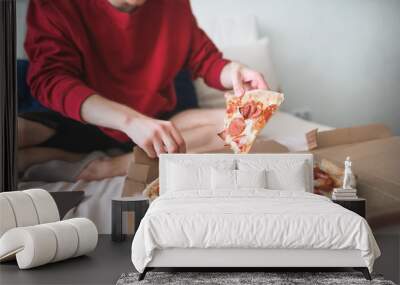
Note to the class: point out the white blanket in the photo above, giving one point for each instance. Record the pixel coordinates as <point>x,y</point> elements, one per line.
<point>250,219</point>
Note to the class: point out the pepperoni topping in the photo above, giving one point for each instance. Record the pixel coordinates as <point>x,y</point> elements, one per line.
<point>237,139</point>
<point>256,113</point>
<point>236,127</point>
<point>251,110</point>
<point>245,110</point>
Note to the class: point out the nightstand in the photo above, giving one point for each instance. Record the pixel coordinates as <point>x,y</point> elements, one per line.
<point>357,206</point>
<point>138,205</point>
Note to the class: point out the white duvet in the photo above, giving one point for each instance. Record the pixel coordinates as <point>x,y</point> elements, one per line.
<point>250,219</point>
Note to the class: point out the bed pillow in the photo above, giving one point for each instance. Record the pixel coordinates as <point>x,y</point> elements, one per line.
<point>228,30</point>
<point>228,179</point>
<point>183,178</point>
<point>280,175</point>
<point>189,175</point>
<point>223,179</point>
<point>251,178</point>
<point>293,179</point>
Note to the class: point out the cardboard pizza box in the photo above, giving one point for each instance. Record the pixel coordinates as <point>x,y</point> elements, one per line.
<point>142,168</point>
<point>375,154</point>
<point>260,146</point>
<point>268,146</point>
<point>138,172</point>
<point>352,135</point>
<point>132,188</point>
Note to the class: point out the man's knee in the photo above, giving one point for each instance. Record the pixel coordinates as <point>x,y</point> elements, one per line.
<point>32,133</point>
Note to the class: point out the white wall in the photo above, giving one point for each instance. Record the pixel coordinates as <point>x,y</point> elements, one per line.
<point>338,58</point>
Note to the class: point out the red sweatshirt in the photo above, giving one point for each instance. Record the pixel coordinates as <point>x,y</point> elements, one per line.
<point>78,48</point>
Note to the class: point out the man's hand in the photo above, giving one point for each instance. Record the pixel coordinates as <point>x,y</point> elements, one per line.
<point>241,78</point>
<point>154,136</point>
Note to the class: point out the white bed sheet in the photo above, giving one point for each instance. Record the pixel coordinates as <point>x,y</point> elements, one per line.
<point>254,218</point>
<point>290,130</point>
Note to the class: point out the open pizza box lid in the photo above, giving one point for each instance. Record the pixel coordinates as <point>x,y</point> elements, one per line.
<point>375,156</point>
<point>352,135</point>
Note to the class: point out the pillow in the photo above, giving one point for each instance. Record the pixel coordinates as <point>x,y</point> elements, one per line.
<point>293,179</point>
<point>228,30</point>
<point>281,174</point>
<point>228,179</point>
<point>223,179</point>
<point>255,55</point>
<point>182,178</point>
<point>251,178</point>
<point>190,175</point>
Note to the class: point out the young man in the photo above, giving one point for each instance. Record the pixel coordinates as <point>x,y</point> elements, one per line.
<point>106,67</point>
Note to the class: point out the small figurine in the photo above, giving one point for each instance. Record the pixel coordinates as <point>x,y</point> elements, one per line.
<point>348,174</point>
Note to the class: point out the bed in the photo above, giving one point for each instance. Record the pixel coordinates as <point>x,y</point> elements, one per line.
<point>200,220</point>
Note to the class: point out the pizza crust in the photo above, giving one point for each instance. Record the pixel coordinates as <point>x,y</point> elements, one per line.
<point>266,97</point>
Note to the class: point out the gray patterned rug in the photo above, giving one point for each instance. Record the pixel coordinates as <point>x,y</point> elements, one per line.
<point>269,278</point>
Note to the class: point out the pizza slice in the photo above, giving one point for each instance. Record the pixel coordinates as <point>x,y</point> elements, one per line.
<point>246,116</point>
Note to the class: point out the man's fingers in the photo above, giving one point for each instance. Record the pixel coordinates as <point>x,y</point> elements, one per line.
<point>237,81</point>
<point>178,139</point>
<point>261,83</point>
<point>255,79</point>
<point>158,146</point>
<point>149,149</point>
<point>248,86</point>
<point>169,141</point>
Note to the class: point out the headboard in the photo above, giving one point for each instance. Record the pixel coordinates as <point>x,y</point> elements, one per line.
<point>210,159</point>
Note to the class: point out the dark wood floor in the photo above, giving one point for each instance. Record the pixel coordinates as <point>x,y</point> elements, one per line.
<point>103,266</point>
<point>110,260</point>
<point>389,262</point>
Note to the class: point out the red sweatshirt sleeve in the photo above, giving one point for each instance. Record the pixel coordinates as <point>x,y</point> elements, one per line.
<point>205,60</point>
<point>55,72</point>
